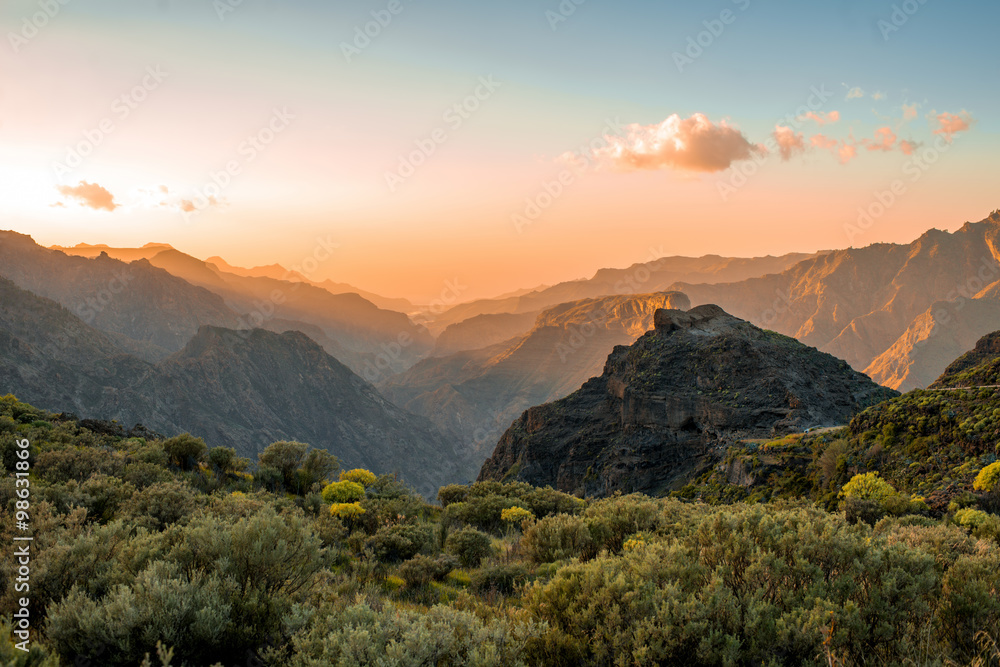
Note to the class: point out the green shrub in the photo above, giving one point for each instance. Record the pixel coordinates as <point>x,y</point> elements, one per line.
<point>185,450</point>
<point>453,493</point>
<point>397,637</point>
<point>392,544</point>
<point>503,579</point>
<point>471,546</point>
<point>558,537</point>
<point>421,570</point>
<point>163,504</point>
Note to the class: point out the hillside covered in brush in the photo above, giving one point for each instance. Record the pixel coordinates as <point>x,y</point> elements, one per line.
<point>165,552</point>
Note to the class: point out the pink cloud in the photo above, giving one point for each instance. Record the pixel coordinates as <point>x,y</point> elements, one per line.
<point>822,118</point>
<point>910,111</point>
<point>820,141</point>
<point>885,140</point>
<point>789,143</point>
<point>950,124</point>
<point>686,144</point>
<point>91,195</point>
<point>847,153</point>
<point>908,147</point>
<point>844,151</point>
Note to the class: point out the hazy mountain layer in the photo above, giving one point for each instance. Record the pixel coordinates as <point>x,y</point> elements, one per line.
<point>646,278</point>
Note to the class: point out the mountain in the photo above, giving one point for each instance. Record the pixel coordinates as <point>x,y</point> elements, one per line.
<point>278,272</point>
<point>668,405</point>
<point>352,328</point>
<point>243,389</point>
<point>48,355</point>
<point>248,389</point>
<point>871,306</point>
<point>476,394</point>
<point>360,329</point>
<point>653,276</point>
<point>482,331</point>
<point>147,311</point>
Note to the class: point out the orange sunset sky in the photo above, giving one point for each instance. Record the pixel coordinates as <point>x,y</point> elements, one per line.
<point>422,149</point>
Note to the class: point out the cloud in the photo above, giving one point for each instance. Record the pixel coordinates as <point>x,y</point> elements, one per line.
<point>820,141</point>
<point>885,140</point>
<point>855,93</point>
<point>844,151</point>
<point>910,111</point>
<point>189,206</point>
<point>789,143</point>
<point>686,144</point>
<point>847,153</point>
<point>164,189</point>
<point>950,124</point>
<point>822,118</point>
<point>90,194</point>
<point>908,147</point>
<point>878,95</point>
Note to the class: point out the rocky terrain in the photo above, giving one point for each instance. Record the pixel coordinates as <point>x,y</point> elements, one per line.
<point>476,394</point>
<point>979,367</point>
<point>667,406</point>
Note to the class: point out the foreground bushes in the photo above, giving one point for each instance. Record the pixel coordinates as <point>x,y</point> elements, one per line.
<point>138,548</point>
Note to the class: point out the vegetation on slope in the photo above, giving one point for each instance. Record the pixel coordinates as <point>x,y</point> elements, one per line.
<point>170,552</point>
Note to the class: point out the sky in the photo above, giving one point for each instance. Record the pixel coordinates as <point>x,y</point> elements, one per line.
<point>409,146</point>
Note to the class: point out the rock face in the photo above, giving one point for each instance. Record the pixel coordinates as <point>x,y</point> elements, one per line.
<point>476,394</point>
<point>667,405</point>
<point>482,331</point>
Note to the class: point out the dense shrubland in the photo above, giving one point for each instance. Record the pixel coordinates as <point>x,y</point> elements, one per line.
<point>172,552</point>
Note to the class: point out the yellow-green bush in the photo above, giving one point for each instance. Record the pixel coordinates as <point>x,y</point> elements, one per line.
<point>343,492</point>
<point>988,478</point>
<point>359,476</point>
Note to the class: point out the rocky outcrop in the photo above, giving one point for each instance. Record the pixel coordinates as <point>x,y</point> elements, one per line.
<point>476,394</point>
<point>668,405</point>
